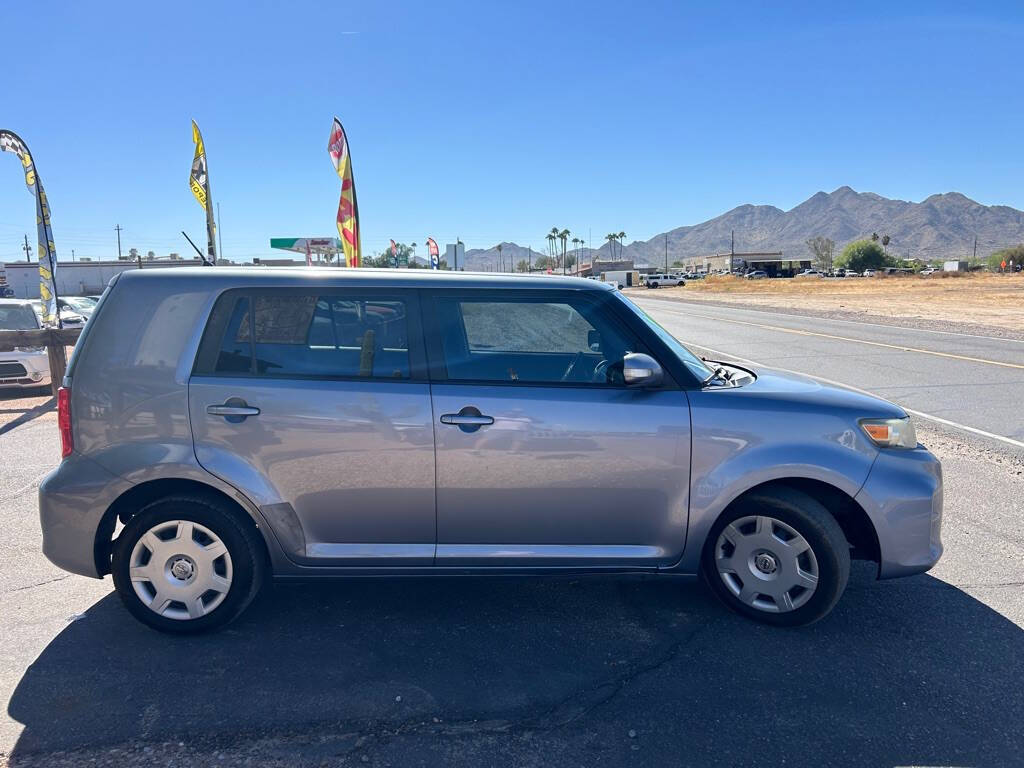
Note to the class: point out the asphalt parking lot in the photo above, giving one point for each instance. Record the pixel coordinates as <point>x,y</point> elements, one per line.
<point>501,671</point>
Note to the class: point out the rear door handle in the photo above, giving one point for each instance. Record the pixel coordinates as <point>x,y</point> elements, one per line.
<point>469,419</point>
<point>233,412</point>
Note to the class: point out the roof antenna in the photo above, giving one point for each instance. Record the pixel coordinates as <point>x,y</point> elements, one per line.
<point>206,261</point>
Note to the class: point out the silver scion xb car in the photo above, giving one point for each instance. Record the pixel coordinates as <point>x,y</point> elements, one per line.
<point>223,425</point>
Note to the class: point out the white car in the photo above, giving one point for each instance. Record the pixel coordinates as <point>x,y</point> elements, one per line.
<point>24,366</point>
<point>757,274</point>
<point>79,305</point>
<point>656,280</point>
<point>68,318</point>
<point>810,273</point>
<point>870,272</point>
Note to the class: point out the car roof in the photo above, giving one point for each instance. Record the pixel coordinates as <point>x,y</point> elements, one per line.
<point>10,301</point>
<point>224,277</point>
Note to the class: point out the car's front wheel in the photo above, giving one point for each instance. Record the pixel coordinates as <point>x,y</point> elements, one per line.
<point>187,564</point>
<point>778,557</point>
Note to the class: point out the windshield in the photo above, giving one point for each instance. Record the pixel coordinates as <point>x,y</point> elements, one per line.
<point>697,366</point>
<point>17,317</point>
<point>81,303</point>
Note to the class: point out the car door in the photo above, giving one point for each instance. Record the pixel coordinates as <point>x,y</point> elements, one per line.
<point>544,456</point>
<point>316,405</point>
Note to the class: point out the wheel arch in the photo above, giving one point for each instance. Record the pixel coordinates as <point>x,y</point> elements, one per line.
<point>853,519</point>
<point>124,507</point>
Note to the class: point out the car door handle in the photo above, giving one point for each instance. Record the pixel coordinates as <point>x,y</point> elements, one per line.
<point>232,410</point>
<point>468,421</point>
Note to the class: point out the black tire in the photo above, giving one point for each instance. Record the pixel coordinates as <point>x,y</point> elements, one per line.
<point>243,543</point>
<point>653,285</point>
<point>812,521</point>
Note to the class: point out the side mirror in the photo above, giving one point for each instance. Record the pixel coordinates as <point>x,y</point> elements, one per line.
<point>640,370</point>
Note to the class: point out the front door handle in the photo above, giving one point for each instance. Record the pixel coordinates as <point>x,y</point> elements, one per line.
<point>469,419</point>
<point>234,410</point>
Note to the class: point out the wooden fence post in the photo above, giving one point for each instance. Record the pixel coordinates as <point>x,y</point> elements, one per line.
<point>57,356</point>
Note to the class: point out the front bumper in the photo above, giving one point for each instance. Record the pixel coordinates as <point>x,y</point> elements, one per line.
<point>903,497</point>
<point>24,369</point>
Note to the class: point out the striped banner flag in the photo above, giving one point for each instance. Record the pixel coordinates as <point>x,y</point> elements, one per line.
<point>348,208</point>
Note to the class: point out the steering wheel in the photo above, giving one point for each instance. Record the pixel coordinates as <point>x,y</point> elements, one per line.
<point>572,367</point>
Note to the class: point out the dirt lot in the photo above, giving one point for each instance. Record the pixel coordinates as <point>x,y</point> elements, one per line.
<point>988,300</point>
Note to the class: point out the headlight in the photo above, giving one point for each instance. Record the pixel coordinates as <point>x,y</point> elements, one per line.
<point>890,433</point>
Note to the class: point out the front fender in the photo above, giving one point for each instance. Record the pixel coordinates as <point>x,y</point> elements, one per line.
<point>736,449</point>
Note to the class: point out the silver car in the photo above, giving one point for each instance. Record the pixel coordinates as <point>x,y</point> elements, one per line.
<point>220,426</point>
<point>22,367</point>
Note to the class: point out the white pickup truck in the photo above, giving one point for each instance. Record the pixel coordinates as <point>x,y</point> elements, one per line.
<point>658,280</point>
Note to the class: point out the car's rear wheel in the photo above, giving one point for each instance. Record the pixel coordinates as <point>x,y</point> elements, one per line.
<point>187,564</point>
<point>778,557</point>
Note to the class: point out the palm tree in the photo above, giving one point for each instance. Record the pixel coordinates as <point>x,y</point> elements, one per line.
<point>576,247</point>
<point>610,237</point>
<point>551,242</point>
<point>564,237</point>
<point>413,246</point>
<point>501,264</point>
<point>621,236</point>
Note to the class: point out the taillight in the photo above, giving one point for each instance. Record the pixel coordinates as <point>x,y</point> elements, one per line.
<point>67,441</point>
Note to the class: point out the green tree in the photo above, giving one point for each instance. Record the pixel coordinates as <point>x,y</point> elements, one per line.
<point>863,254</point>
<point>824,250</point>
<point>1014,254</point>
<point>522,266</point>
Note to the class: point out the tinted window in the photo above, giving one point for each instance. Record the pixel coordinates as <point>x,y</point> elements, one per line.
<point>313,335</point>
<point>531,340</point>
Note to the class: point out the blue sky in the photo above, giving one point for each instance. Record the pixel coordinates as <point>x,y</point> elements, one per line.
<point>496,121</point>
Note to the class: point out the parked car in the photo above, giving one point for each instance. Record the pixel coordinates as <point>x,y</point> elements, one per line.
<point>811,273</point>
<point>870,273</point>
<point>220,426</point>
<point>6,291</point>
<point>929,271</point>
<point>757,274</point>
<point>79,305</point>
<point>68,317</point>
<point>663,278</point>
<point>851,273</point>
<point>24,366</point>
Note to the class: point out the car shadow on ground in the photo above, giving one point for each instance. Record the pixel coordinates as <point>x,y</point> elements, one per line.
<point>908,672</point>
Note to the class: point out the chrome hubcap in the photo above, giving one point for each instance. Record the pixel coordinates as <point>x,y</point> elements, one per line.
<point>766,564</point>
<point>180,569</point>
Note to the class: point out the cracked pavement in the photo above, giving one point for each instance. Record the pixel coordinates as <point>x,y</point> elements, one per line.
<point>526,672</point>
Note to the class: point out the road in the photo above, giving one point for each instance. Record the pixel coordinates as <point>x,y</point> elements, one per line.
<point>559,672</point>
<point>973,382</point>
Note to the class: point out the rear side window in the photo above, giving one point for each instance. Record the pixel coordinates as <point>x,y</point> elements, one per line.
<point>302,335</point>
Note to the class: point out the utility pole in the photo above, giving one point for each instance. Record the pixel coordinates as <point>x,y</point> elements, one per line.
<point>666,253</point>
<point>72,254</point>
<point>118,230</point>
<point>975,248</point>
<point>220,237</point>
<point>732,249</point>
<point>27,250</point>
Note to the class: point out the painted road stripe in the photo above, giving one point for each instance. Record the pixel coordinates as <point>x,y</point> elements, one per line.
<point>822,379</point>
<point>899,347</point>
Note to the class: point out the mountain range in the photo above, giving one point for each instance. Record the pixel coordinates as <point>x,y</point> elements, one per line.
<point>939,227</point>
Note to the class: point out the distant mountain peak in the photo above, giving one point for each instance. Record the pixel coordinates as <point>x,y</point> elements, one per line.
<point>939,227</point>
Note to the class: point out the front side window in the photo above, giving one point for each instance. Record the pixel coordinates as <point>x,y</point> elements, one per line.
<point>531,340</point>
<point>309,335</point>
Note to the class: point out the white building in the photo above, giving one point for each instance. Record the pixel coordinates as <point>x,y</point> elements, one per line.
<point>78,278</point>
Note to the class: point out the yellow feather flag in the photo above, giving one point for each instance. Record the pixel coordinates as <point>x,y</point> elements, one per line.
<point>348,208</point>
